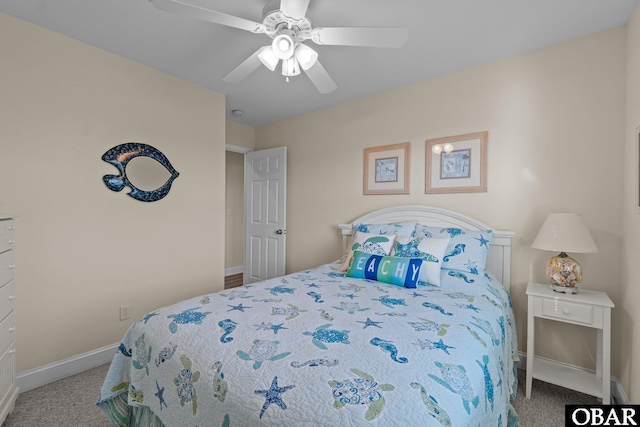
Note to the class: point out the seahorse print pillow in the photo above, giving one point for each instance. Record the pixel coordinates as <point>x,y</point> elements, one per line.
<point>403,228</point>
<point>431,251</point>
<point>376,244</point>
<point>467,250</point>
<point>388,269</point>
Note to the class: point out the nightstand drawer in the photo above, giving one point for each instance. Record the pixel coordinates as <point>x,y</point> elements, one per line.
<point>568,311</point>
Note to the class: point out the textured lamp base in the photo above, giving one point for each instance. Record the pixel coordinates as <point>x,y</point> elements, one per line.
<point>565,289</point>
<point>564,272</point>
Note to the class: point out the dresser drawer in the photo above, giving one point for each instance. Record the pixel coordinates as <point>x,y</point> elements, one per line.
<point>6,226</point>
<point>7,332</point>
<point>7,299</point>
<point>6,235</point>
<point>7,374</point>
<point>568,311</point>
<point>6,267</point>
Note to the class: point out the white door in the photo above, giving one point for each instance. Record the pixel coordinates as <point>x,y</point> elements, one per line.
<point>265,192</point>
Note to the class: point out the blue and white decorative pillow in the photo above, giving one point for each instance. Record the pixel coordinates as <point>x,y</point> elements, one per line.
<point>431,251</point>
<point>388,269</point>
<point>376,244</point>
<point>404,228</point>
<point>467,250</point>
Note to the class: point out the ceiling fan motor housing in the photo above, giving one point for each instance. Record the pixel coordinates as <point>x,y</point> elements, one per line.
<point>275,22</point>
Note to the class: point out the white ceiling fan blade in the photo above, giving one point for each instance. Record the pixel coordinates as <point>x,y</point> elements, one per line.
<point>320,78</point>
<point>197,12</point>
<point>360,36</point>
<point>294,9</point>
<point>247,67</point>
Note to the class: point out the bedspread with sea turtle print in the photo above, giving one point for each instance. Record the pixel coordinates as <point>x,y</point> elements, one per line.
<point>315,348</point>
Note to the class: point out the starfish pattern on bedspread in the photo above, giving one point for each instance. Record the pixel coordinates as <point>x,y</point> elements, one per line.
<point>368,323</point>
<point>273,395</point>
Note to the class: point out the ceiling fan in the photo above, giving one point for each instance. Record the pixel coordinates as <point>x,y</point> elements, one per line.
<point>285,21</point>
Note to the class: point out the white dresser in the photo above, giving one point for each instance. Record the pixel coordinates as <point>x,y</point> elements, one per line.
<point>8,389</point>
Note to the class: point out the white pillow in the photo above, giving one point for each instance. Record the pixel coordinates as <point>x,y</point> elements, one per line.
<point>376,244</point>
<point>431,251</point>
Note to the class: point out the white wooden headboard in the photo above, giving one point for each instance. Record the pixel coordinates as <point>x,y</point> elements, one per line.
<point>498,260</point>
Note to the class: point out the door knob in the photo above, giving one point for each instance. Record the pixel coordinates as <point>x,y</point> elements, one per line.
<point>281,231</point>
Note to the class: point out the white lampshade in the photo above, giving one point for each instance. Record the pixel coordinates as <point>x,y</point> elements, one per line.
<point>306,56</point>
<point>283,46</point>
<point>268,57</point>
<point>564,232</point>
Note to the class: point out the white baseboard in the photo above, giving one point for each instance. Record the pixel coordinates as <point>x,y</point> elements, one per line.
<point>617,392</point>
<point>37,377</point>
<point>234,270</point>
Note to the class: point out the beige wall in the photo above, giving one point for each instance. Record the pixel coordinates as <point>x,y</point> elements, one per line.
<point>83,250</point>
<point>627,310</point>
<point>556,134</point>
<point>234,205</point>
<point>242,136</point>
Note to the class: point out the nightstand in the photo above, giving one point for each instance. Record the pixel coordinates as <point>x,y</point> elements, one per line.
<point>586,308</point>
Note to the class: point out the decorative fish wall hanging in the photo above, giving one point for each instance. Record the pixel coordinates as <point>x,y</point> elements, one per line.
<point>121,155</point>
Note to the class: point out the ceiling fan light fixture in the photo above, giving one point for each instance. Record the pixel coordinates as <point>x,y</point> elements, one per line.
<point>306,56</point>
<point>283,46</point>
<point>290,67</point>
<point>268,57</point>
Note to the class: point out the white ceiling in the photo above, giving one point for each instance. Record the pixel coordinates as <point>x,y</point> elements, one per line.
<point>444,36</point>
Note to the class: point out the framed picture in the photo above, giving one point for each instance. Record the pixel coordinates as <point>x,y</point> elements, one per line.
<point>456,164</point>
<point>386,169</point>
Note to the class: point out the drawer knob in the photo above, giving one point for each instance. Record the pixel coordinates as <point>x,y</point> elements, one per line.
<point>566,311</point>
<point>12,329</point>
<point>11,267</point>
<point>10,242</point>
<point>12,297</point>
<point>12,351</point>
<point>10,228</point>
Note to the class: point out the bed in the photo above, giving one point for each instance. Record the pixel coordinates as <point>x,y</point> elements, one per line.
<point>340,344</point>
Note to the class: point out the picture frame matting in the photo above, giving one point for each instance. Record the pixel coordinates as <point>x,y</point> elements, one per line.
<point>386,169</point>
<point>462,170</point>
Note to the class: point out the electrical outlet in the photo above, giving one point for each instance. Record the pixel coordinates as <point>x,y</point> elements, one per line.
<point>124,312</point>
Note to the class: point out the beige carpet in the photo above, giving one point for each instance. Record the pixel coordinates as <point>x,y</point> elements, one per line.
<point>65,403</point>
<point>71,402</point>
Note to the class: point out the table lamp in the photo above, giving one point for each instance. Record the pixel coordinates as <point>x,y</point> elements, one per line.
<point>564,232</point>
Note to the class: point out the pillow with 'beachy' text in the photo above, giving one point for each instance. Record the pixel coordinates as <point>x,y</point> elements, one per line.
<point>388,269</point>
<point>431,251</point>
